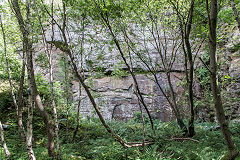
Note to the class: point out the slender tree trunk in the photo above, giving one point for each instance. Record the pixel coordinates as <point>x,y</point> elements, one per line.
<point>174,102</point>
<point>40,107</point>
<point>20,101</point>
<point>80,86</point>
<point>212,16</point>
<point>49,52</point>
<point>107,23</point>
<point>3,142</point>
<point>191,131</point>
<point>51,87</point>
<point>30,129</point>
<point>117,137</point>
<point>53,103</point>
<point>19,109</point>
<point>66,78</point>
<point>8,66</point>
<point>24,27</point>
<point>78,113</point>
<point>143,122</point>
<point>185,28</point>
<point>235,12</point>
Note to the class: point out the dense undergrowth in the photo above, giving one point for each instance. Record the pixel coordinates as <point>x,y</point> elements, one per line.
<point>93,142</point>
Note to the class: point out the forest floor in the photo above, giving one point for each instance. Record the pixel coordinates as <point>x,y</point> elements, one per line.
<point>93,142</point>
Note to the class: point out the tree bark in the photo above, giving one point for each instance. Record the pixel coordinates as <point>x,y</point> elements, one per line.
<point>185,28</point>
<point>49,53</point>
<point>19,109</point>
<point>174,102</point>
<point>53,104</point>
<point>66,88</point>
<point>189,76</point>
<point>24,27</point>
<point>38,102</point>
<point>51,88</point>
<point>3,142</point>
<point>8,67</point>
<point>20,101</point>
<point>212,16</point>
<point>31,155</point>
<point>78,113</point>
<point>18,105</point>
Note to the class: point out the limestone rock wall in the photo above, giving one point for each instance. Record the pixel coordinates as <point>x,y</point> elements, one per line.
<point>117,99</point>
<point>231,59</point>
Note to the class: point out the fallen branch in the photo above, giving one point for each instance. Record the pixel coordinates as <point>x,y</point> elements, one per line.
<point>138,144</point>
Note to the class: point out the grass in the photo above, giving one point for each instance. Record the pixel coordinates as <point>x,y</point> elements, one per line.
<point>93,142</point>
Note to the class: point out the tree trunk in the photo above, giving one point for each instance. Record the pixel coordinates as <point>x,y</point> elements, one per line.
<point>19,110</point>
<point>8,67</point>
<point>51,88</point>
<point>174,102</point>
<point>66,88</point>
<point>40,106</point>
<point>80,86</point>
<point>3,142</point>
<point>185,23</point>
<point>141,98</point>
<point>235,12</point>
<point>30,129</point>
<point>53,103</point>
<point>24,27</point>
<point>18,105</point>
<point>20,101</point>
<point>49,53</point>
<point>191,131</point>
<point>78,113</point>
<point>232,151</point>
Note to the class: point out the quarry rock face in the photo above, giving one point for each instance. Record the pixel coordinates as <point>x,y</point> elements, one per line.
<point>232,50</point>
<point>234,69</point>
<point>116,96</point>
<point>117,99</point>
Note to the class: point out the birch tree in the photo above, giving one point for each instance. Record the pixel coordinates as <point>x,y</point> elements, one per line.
<point>25,30</point>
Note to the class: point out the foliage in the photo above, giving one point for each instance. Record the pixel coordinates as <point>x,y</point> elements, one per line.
<point>203,73</point>
<point>43,87</point>
<point>15,65</point>
<point>93,142</point>
<point>6,103</point>
<point>226,15</point>
<point>129,19</point>
<point>118,71</point>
